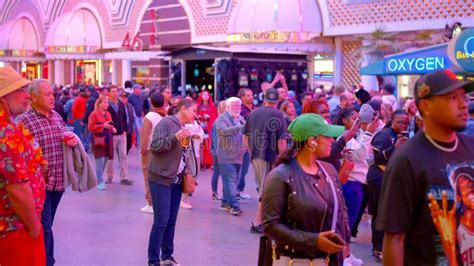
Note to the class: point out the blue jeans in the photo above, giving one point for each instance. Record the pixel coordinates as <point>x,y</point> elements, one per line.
<point>230,176</point>
<point>79,129</point>
<point>215,174</point>
<point>353,195</point>
<point>99,168</point>
<point>47,217</point>
<point>166,202</point>
<point>243,172</point>
<point>138,127</point>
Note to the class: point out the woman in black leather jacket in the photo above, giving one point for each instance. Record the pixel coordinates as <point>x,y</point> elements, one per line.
<point>303,205</point>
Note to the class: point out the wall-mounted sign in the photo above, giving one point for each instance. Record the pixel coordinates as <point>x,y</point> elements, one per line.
<point>135,45</point>
<point>416,64</point>
<point>69,49</point>
<point>154,26</point>
<point>270,37</point>
<point>17,53</point>
<point>461,50</point>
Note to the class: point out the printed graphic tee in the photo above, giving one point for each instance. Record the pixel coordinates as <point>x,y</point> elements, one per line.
<point>436,235</point>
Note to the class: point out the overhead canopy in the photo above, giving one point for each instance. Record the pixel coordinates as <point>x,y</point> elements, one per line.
<point>420,61</point>
<point>293,25</point>
<point>19,38</point>
<point>76,32</point>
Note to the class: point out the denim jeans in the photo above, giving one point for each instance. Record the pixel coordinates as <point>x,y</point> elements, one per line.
<point>230,176</point>
<point>215,174</point>
<point>166,202</point>
<point>138,128</point>
<point>243,172</point>
<point>79,129</point>
<point>353,194</point>
<point>47,218</point>
<point>99,168</point>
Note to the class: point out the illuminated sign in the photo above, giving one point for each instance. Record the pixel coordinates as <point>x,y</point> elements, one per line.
<point>464,50</point>
<point>18,53</point>
<point>415,64</point>
<point>68,49</point>
<point>135,45</point>
<point>270,37</point>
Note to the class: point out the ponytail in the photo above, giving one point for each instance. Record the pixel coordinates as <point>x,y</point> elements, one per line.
<point>290,153</point>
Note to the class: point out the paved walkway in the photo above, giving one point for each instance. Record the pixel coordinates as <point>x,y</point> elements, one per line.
<point>107,228</point>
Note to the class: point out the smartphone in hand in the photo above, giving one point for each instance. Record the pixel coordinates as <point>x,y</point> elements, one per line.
<point>335,238</point>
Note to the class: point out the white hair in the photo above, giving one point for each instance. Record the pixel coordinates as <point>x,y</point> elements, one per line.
<point>231,100</point>
<point>35,86</point>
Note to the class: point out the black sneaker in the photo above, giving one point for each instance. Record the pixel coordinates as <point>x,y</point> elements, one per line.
<point>236,211</point>
<point>127,182</point>
<point>377,254</point>
<point>169,262</point>
<point>256,229</point>
<point>215,197</point>
<point>225,207</point>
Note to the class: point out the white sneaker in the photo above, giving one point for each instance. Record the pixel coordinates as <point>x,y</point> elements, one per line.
<point>243,196</point>
<point>186,205</point>
<point>353,261</point>
<point>147,209</point>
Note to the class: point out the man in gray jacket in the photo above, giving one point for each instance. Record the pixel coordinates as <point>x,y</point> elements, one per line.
<point>169,147</point>
<point>230,151</point>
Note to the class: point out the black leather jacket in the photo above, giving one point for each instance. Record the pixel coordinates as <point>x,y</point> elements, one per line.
<point>295,210</point>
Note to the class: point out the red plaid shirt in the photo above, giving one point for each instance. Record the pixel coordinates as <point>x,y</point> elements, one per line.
<point>20,162</point>
<point>48,132</point>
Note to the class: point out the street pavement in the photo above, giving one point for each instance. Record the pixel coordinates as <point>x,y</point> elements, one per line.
<point>107,227</point>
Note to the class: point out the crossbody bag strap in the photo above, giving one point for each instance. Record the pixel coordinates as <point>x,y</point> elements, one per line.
<point>334,194</point>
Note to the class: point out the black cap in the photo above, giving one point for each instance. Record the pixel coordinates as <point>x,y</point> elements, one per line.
<point>439,83</point>
<point>124,93</point>
<point>271,95</point>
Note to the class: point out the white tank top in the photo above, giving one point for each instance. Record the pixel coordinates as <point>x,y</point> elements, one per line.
<point>154,118</point>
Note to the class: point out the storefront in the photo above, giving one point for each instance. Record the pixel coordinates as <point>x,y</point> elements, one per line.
<point>20,49</point>
<point>73,45</point>
<point>292,28</point>
<point>407,67</point>
<point>223,71</point>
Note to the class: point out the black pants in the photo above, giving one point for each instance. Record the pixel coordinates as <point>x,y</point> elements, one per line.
<point>365,200</point>
<point>129,142</point>
<point>374,181</point>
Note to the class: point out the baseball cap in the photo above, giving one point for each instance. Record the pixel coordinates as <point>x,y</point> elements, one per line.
<point>439,83</point>
<point>366,113</point>
<point>10,81</point>
<point>308,125</point>
<point>271,95</point>
<point>124,93</point>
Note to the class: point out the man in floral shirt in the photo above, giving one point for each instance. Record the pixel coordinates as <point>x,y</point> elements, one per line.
<point>22,189</point>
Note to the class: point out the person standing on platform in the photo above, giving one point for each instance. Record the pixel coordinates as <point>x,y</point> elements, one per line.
<point>49,130</point>
<point>22,186</point>
<point>119,119</point>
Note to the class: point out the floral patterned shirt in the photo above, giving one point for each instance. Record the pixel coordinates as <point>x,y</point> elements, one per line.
<point>21,161</point>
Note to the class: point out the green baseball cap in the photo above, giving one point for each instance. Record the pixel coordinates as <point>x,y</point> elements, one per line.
<point>308,125</point>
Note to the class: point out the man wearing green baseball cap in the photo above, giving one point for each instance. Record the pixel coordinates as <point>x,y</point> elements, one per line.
<point>310,226</point>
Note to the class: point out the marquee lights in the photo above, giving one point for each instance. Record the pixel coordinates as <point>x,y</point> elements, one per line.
<point>17,52</point>
<point>270,37</point>
<point>69,49</point>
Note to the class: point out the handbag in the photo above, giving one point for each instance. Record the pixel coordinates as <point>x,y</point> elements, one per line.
<point>99,141</point>
<point>189,184</point>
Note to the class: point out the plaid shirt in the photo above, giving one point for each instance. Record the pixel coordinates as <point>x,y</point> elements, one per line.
<point>48,132</point>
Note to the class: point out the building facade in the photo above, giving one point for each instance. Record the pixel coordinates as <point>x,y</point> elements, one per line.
<point>111,41</point>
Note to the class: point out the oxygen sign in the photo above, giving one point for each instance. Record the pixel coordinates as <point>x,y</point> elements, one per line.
<point>415,64</point>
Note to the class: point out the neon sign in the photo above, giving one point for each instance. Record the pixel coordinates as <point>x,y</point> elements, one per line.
<point>420,64</point>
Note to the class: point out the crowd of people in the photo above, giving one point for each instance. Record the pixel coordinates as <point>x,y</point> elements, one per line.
<point>321,160</point>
